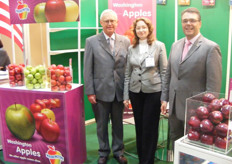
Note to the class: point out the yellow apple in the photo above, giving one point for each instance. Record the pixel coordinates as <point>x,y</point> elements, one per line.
<point>49,113</point>
<point>72,11</point>
<point>39,13</point>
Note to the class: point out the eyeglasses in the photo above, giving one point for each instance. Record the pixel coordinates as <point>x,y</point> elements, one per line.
<point>110,21</point>
<point>191,21</point>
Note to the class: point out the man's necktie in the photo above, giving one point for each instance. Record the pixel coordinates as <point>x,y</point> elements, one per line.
<point>111,43</point>
<point>186,49</point>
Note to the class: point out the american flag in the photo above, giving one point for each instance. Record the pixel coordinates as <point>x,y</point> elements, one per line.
<point>9,29</point>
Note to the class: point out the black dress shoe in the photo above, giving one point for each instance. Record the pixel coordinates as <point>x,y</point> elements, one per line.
<point>102,160</point>
<point>121,159</point>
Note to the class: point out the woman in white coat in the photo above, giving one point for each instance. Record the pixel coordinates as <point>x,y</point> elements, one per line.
<point>144,74</point>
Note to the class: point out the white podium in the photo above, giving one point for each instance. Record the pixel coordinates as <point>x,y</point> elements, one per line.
<point>203,154</point>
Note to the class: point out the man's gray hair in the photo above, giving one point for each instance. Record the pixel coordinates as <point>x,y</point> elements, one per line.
<point>108,11</point>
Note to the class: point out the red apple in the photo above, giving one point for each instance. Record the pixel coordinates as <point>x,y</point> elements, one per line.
<point>52,103</point>
<point>208,97</point>
<point>12,84</point>
<point>68,87</point>
<point>41,103</point>
<point>207,139</point>
<point>220,142</point>
<point>193,135</point>
<point>47,103</point>
<point>206,126</point>
<point>20,83</point>
<point>35,108</point>
<point>53,82</point>
<point>68,79</point>
<point>12,78</point>
<point>55,11</point>
<point>54,77</point>
<point>61,67</point>
<point>67,73</point>
<point>224,101</point>
<point>194,122</point>
<point>55,88</point>
<point>11,66</point>
<point>53,66</point>
<point>17,70</point>
<point>202,112</point>
<point>62,87</point>
<point>61,78</point>
<point>49,130</point>
<point>214,105</point>
<point>57,102</point>
<point>12,72</point>
<point>39,117</point>
<point>57,72</point>
<point>222,129</point>
<point>226,109</point>
<point>215,117</point>
<point>18,76</point>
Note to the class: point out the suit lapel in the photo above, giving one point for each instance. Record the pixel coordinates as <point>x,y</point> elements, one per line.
<point>194,47</point>
<point>151,49</point>
<point>104,44</point>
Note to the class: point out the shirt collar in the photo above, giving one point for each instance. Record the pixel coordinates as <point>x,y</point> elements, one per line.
<point>106,36</point>
<point>193,39</point>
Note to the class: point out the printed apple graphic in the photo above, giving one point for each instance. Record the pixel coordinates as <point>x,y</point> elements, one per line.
<point>194,122</point>
<point>206,126</point>
<point>57,102</point>
<point>72,11</point>
<point>220,142</point>
<point>202,112</point>
<point>39,117</point>
<point>52,152</point>
<point>215,117</point>
<point>35,108</point>
<point>221,129</point>
<point>20,121</point>
<point>49,130</point>
<point>226,109</point>
<point>194,135</point>
<point>39,13</point>
<point>208,97</point>
<point>49,113</point>
<point>55,11</point>
<point>207,139</point>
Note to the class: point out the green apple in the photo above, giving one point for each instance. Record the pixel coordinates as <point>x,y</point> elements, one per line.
<point>40,80</point>
<point>30,77</point>
<point>37,86</point>
<point>37,75</point>
<point>26,72</point>
<point>33,71</point>
<point>29,86</point>
<point>20,121</point>
<point>43,85</point>
<point>34,81</point>
<point>42,70</point>
<point>29,67</point>
<point>72,11</point>
<point>39,13</point>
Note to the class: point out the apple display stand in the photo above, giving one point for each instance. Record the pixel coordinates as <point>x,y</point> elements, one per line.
<point>68,148</point>
<point>206,155</point>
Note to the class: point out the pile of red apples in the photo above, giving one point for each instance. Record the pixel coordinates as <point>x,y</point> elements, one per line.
<point>209,123</point>
<point>60,78</point>
<point>16,76</point>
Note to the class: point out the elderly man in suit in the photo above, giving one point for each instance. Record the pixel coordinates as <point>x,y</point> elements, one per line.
<point>104,65</point>
<point>194,66</point>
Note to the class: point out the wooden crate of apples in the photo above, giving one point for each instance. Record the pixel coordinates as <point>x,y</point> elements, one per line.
<point>209,121</point>
<point>59,78</point>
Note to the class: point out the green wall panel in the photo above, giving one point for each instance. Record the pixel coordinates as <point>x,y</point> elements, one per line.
<point>165,23</point>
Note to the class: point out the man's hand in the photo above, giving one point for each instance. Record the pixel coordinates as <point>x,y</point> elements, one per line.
<point>92,99</point>
<point>163,108</point>
<point>126,103</point>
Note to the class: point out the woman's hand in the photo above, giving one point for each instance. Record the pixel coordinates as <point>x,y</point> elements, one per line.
<point>126,103</point>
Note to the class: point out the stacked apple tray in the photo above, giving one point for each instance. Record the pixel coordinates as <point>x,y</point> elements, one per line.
<point>208,122</point>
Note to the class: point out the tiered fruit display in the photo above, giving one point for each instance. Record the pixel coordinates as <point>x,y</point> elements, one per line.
<point>35,77</point>
<point>16,76</point>
<point>209,123</point>
<point>60,78</point>
<point>45,118</point>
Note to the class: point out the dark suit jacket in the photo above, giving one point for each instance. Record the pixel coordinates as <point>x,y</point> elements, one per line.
<point>4,59</point>
<point>200,71</point>
<point>104,71</point>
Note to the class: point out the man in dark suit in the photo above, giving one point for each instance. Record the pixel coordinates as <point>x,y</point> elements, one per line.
<point>104,65</point>
<point>194,66</point>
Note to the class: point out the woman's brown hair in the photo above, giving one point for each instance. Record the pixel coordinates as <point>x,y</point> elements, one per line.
<point>150,37</point>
